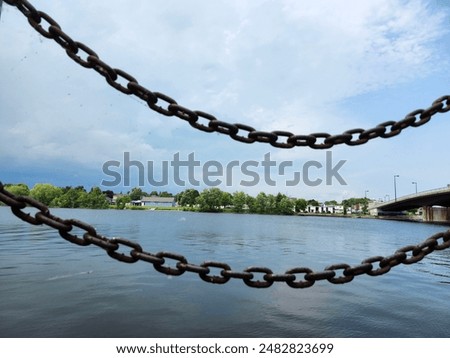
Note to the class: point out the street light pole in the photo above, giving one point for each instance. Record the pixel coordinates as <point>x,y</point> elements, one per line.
<point>395,186</point>
<point>415,183</point>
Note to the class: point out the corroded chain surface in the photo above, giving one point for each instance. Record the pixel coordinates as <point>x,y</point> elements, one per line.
<point>259,277</point>
<point>165,105</point>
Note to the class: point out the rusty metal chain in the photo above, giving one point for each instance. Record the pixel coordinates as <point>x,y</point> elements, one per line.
<point>165,105</point>
<point>258,277</point>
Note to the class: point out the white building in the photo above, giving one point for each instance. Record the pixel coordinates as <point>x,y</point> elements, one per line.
<point>327,209</point>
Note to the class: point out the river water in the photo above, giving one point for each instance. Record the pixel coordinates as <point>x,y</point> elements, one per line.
<point>53,288</point>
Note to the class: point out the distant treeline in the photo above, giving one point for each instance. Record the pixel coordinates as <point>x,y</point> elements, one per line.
<point>209,200</point>
<point>216,200</point>
<point>67,197</point>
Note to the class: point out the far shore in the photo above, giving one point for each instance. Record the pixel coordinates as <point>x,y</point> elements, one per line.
<point>414,219</point>
<point>411,218</point>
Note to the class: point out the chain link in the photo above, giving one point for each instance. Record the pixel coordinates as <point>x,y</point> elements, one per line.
<point>49,28</point>
<point>297,277</point>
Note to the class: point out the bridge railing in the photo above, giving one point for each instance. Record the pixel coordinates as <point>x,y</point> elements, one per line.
<point>374,205</point>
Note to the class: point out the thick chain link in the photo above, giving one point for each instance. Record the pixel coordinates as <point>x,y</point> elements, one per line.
<point>165,105</point>
<point>259,277</point>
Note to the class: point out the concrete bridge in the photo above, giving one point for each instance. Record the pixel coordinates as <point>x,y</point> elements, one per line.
<point>435,205</point>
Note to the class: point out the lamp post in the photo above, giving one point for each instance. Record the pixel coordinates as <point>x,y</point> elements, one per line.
<point>415,183</point>
<point>395,186</point>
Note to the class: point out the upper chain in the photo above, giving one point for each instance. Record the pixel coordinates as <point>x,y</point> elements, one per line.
<point>163,104</point>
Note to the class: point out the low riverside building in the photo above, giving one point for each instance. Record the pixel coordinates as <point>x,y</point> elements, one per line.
<point>327,209</point>
<point>155,201</point>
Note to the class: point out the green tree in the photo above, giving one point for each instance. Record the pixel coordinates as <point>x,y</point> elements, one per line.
<point>365,206</point>
<point>239,200</point>
<point>136,194</point>
<point>83,200</point>
<point>286,206</point>
<point>121,202</point>
<point>210,200</point>
<point>227,199</point>
<point>18,189</point>
<point>72,198</point>
<point>95,199</point>
<point>300,205</point>
<point>251,204</point>
<point>45,193</point>
<point>280,205</point>
<point>280,197</point>
<point>354,201</point>
<point>260,204</point>
<point>313,202</point>
<point>271,204</point>
<point>187,197</point>
<point>331,202</point>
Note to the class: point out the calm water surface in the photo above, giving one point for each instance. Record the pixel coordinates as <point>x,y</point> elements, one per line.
<point>52,288</point>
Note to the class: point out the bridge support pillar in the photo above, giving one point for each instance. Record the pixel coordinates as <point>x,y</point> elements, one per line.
<point>436,214</point>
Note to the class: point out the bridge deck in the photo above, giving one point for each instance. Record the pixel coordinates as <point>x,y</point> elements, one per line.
<point>435,197</point>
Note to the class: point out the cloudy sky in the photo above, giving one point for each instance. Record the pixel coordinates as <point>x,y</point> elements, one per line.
<point>298,66</point>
